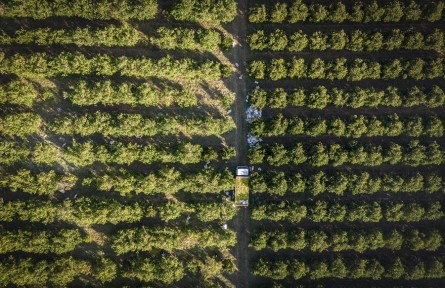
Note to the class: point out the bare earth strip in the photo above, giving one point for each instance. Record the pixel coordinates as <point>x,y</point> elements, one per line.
<point>239,30</point>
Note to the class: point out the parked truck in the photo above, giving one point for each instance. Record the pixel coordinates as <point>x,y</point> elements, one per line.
<point>242,186</point>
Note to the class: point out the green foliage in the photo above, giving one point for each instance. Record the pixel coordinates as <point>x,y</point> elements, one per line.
<point>42,65</point>
<point>167,181</point>
<point>357,40</point>
<point>277,40</point>
<point>217,11</point>
<point>104,270</point>
<point>26,271</point>
<point>136,125</point>
<point>277,69</point>
<point>211,211</point>
<point>149,238</point>
<point>82,211</point>
<point>106,93</point>
<point>35,241</point>
<point>297,42</point>
<point>257,69</point>
<point>20,92</point>
<point>340,182</point>
<point>278,13</point>
<point>336,12</point>
<point>319,97</point>
<point>20,124</point>
<point>322,211</point>
<point>343,240</point>
<point>39,184</point>
<point>109,36</point>
<point>298,12</point>
<point>185,153</point>
<point>101,9</point>
<point>13,152</point>
<point>352,70</point>
<point>318,154</point>
<point>187,39</point>
<point>95,210</point>
<point>258,14</point>
<point>165,270</point>
<point>354,126</point>
<point>348,268</point>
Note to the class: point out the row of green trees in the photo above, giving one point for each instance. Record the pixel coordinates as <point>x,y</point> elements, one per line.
<point>86,153</point>
<point>340,182</point>
<point>99,9</point>
<point>357,40</point>
<point>354,126</point>
<point>85,211</point>
<point>189,39</point>
<point>136,125</point>
<point>166,181</point>
<point>106,93</point>
<point>42,153</point>
<point>81,211</point>
<point>170,269</point>
<point>319,97</point>
<point>165,269</point>
<point>24,124</point>
<point>371,268</point>
<point>337,12</point>
<point>109,36</point>
<point>123,36</point>
<point>216,11</point>
<point>41,241</point>
<point>20,124</point>
<point>342,240</point>
<point>124,241</point>
<point>66,63</point>
<point>319,154</point>
<point>42,183</point>
<point>21,92</point>
<point>149,238</point>
<point>56,272</point>
<point>354,211</point>
<point>62,271</point>
<point>352,70</point>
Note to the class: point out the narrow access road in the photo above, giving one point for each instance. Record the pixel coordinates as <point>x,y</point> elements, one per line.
<point>239,31</point>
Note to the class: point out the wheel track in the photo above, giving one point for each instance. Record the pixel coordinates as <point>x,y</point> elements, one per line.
<point>238,30</point>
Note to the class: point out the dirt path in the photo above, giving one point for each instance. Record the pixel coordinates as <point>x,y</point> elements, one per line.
<point>239,30</point>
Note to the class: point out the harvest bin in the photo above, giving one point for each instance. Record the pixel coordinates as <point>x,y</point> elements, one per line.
<point>242,186</point>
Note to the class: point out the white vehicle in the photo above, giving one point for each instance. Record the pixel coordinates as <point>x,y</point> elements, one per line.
<point>242,186</point>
